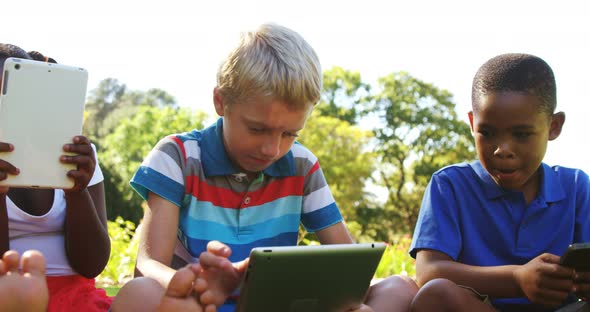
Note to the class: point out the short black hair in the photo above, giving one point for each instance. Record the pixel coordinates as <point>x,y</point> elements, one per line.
<point>10,50</point>
<point>516,72</point>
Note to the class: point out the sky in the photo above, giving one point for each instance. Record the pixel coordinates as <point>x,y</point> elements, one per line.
<point>177,45</point>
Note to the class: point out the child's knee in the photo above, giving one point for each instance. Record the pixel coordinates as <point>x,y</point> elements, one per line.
<point>442,291</point>
<point>398,288</point>
<point>139,294</point>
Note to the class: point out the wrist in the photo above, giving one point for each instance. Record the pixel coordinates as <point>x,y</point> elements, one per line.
<point>516,278</point>
<point>72,193</point>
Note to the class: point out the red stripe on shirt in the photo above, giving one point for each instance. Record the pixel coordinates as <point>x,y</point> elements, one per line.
<point>180,144</point>
<point>313,169</point>
<point>225,198</point>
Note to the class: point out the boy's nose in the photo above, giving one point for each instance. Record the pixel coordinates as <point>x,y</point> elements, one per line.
<point>504,150</point>
<point>271,147</point>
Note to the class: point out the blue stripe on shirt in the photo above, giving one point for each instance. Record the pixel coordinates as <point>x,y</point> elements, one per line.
<point>238,235</point>
<point>321,218</point>
<point>242,251</point>
<point>148,180</point>
<point>201,210</point>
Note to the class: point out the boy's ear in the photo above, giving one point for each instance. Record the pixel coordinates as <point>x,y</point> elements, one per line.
<point>218,102</point>
<point>557,121</point>
<point>470,114</point>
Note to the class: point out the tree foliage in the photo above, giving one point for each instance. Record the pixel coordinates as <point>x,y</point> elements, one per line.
<point>112,102</point>
<point>130,142</point>
<point>345,161</point>
<point>419,133</point>
<point>416,132</point>
<point>342,93</point>
<point>125,124</point>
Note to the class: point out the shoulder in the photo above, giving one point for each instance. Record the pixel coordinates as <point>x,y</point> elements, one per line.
<point>566,171</point>
<point>458,171</point>
<point>182,137</point>
<point>304,159</point>
<point>302,152</point>
<point>191,138</point>
<point>186,142</point>
<point>567,175</point>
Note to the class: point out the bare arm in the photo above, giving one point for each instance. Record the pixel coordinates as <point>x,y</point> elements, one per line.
<point>335,234</point>
<point>495,281</point>
<point>541,280</point>
<point>5,169</point>
<point>157,240</point>
<point>87,242</point>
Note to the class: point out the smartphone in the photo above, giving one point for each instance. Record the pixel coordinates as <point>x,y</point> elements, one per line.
<point>577,256</point>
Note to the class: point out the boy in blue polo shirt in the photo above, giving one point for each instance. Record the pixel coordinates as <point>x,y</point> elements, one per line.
<point>214,194</point>
<point>497,226</point>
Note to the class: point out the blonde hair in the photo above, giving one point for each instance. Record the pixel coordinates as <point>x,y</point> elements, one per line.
<point>271,61</point>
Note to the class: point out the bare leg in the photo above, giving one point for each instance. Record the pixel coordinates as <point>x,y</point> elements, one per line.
<point>26,290</point>
<point>394,293</point>
<point>444,295</point>
<point>146,294</point>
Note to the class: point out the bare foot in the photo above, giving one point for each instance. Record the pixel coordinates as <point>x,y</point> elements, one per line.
<point>26,290</point>
<point>179,295</point>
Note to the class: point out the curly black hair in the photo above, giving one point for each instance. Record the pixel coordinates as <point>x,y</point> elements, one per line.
<point>10,50</point>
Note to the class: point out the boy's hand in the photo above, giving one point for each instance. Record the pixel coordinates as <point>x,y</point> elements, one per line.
<point>84,161</point>
<point>221,276</point>
<point>6,168</point>
<point>582,285</point>
<point>543,281</point>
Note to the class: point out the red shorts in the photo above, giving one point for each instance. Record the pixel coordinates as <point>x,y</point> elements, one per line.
<point>76,293</point>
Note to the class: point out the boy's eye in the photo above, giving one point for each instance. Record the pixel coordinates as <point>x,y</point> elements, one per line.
<point>522,135</point>
<point>484,133</point>
<point>290,134</point>
<point>256,130</point>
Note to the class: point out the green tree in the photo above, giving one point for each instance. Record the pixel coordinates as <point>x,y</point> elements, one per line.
<point>127,146</point>
<point>418,132</point>
<point>347,164</point>
<point>111,102</point>
<point>101,102</point>
<point>343,91</point>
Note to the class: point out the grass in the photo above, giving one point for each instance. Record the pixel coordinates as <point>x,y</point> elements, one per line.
<point>112,291</point>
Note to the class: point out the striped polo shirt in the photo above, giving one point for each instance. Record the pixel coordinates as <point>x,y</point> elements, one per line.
<point>217,202</point>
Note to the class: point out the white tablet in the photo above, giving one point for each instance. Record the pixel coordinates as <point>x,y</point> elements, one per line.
<point>309,278</point>
<point>41,109</point>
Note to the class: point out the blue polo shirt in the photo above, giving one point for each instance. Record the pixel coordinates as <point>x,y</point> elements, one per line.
<point>467,216</point>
